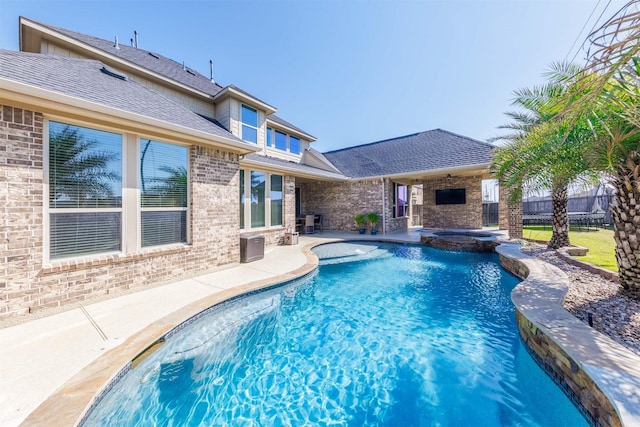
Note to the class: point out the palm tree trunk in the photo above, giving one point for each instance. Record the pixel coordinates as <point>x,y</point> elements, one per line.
<point>559,217</point>
<point>626,220</point>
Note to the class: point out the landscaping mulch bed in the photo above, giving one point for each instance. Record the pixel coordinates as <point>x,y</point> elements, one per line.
<point>614,314</point>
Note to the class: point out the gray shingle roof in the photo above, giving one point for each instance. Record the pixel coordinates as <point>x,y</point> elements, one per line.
<point>301,168</point>
<point>161,65</point>
<point>83,79</point>
<point>150,60</point>
<point>424,151</point>
<point>283,122</point>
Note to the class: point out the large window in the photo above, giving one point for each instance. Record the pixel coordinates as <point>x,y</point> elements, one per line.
<point>294,145</point>
<point>281,140</point>
<point>95,180</point>
<point>400,201</point>
<point>258,199</point>
<point>163,198</point>
<point>249,124</point>
<point>85,191</point>
<point>261,199</point>
<point>275,197</point>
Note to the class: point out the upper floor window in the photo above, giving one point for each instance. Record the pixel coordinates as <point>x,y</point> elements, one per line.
<point>269,137</point>
<point>400,200</point>
<point>249,124</point>
<point>85,191</point>
<point>281,140</point>
<point>294,145</point>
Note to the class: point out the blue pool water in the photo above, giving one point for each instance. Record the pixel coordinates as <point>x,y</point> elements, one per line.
<point>383,335</point>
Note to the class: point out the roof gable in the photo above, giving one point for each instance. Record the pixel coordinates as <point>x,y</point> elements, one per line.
<point>162,66</point>
<point>151,61</point>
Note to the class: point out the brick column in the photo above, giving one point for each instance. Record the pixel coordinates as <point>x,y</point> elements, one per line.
<point>503,209</point>
<point>515,220</point>
<point>509,214</point>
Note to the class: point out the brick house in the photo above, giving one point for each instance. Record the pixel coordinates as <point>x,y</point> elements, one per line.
<point>120,167</point>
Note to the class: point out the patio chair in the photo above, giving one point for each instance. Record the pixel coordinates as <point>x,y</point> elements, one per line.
<point>317,223</point>
<point>308,224</point>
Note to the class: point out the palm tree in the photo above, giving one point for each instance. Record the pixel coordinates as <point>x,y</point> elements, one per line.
<point>167,191</point>
<point>611,97</point>
<point>540,154</point>
<point>79,175</point>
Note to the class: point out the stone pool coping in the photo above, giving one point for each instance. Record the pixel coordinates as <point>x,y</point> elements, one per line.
<point>602,375</point>
<point>615,369</point>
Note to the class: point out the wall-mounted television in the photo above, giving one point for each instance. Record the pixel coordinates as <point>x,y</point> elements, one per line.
<point>453,196</point>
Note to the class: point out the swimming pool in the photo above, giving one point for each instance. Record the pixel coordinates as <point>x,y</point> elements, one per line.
<point>382,334</point>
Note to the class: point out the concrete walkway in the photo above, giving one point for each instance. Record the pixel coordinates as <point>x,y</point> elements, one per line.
<point>37,357</point>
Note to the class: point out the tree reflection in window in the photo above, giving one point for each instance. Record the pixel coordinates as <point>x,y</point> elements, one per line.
<point>164,185</point>
<point>84,167</point>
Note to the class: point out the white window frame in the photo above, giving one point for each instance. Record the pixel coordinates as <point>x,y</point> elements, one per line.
<point>47,210</point>
<point>138,188</point>
<point>130,210</point>
<point>289,145</point>
<point>242,124</point>
<point>267,203</point>
<point>269,131</point>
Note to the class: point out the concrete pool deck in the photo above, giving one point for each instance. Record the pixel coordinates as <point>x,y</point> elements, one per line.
<point>57,364</point>
<point>39,356</point>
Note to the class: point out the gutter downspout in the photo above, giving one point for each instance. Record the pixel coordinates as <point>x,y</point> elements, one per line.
<point>384,216</point>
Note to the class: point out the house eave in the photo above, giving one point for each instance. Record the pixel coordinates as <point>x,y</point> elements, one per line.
<point>291,171</point>
<point>58,104</point>
<point>475,169</point>
<point>291,131</point>
<point>249,100</point>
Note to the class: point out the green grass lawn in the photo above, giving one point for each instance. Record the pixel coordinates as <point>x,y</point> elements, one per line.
<point>599,241</point>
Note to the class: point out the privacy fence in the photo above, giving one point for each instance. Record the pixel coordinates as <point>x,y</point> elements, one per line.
<point>539,211</point>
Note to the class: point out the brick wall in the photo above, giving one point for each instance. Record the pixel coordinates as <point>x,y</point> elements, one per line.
<point>468,215</point>
<point>341,201</point>
<point>27,284</point>
<point>20,206</point>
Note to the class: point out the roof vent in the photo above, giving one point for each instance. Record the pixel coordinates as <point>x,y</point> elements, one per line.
<point>131,42</point>
<point>116,45</point>
<point>154,55</point>
<point>112,73</point>
<point>211,70</point>
<point>135,37</point>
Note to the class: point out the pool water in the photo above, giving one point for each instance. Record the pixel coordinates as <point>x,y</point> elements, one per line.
<point>382,335</point>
